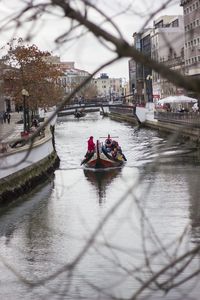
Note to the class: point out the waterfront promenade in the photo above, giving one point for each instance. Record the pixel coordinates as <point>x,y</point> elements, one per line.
<point>11,131</point>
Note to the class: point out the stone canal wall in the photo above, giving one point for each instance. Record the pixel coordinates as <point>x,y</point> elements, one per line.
<point>145,118</point>
<point>189,132</point>
<point>24,168</point>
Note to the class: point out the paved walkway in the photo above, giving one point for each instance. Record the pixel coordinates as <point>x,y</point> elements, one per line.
<point>11,131</point>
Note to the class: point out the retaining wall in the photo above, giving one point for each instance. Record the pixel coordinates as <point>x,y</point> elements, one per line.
<point>23,168</point>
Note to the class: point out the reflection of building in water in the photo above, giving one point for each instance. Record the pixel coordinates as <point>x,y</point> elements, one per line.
<point>194,209</point>
<point>101,179</point>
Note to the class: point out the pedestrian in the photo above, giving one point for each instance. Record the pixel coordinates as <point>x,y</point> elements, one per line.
<point>8,117</point>
<point>4,116</point>
<point>1,117</point>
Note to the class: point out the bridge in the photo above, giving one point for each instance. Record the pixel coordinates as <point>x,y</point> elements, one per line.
<point>117,107</point>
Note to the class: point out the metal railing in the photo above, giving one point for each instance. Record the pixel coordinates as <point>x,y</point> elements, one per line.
<point>125,110</point>
<point>181,118</point>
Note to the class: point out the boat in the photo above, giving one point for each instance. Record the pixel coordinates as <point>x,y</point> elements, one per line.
<point>79,114</point>
<point>100,158</point>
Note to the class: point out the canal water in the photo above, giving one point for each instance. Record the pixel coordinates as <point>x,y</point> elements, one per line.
<point>124,232</point>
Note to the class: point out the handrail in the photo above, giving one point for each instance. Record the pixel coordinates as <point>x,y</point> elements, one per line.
<point>182,118</point>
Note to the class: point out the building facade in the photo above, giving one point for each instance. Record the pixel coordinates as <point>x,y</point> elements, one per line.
<point>71,77</point>
<point>167,40</point>
<point>109,88</point>
<point>164,43</point>
<point>141,75</point>
<point>191,12</point>
<point>6,102</point>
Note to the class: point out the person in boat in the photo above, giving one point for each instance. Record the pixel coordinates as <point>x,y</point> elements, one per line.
<point>116,151</point>
<point>91,147</point>
<point>108,143</point>
<point>114,148</point>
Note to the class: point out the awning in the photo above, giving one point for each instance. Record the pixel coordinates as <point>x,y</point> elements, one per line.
<point>177,99</point>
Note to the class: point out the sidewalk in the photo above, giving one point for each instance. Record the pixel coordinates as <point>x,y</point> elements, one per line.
<point>11,131</point>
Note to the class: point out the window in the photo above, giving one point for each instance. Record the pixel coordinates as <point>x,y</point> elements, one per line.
<point>175,23</point>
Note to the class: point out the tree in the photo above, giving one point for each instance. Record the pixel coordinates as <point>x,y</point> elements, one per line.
<point>31,69</point>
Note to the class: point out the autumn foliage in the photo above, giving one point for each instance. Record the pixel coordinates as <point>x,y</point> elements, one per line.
<point>32,69</point>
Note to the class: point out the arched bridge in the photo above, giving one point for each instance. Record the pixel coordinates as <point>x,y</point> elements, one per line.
<point>96,106</point>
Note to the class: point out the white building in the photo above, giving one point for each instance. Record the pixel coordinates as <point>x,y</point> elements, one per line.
<point>109,88</point>
<point>167,42</point>
<point>71,78</point>
<point>191,10</point>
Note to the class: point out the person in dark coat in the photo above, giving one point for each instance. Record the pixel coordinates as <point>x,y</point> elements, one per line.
<point>108,143</point>
<point>8,117</point>
<point>5,116</point>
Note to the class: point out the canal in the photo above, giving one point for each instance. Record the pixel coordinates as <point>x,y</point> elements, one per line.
<point>106,234</point>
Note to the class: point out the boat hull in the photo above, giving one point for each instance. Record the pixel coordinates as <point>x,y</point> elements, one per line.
<point>102,160</point>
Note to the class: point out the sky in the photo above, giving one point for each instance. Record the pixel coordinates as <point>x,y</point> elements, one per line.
<point>86,51</point>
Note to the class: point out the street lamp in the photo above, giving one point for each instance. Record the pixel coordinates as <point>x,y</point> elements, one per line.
<point>26,117</point>
<point>149,87</point>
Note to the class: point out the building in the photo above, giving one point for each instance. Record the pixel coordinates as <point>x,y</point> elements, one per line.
<point>140,76</point>
<point>6,102</point>
<point>71,78</point>
<point>167,41</point>
<point>191,11</point>
<point>109,88</point>
<point>132,76</point>
<point>163,43</point>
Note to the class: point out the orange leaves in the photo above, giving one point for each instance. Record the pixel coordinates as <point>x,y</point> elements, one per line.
<point>30,69</point>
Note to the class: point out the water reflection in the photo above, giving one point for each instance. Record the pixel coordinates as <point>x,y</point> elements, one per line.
<point>194,209</point>
<point>49,230</point>
<point>101,179</point>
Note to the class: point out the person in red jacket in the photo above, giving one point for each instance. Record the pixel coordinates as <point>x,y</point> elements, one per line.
<point>91,145</point>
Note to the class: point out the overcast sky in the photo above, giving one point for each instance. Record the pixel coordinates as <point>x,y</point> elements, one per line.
<point>87,52</point>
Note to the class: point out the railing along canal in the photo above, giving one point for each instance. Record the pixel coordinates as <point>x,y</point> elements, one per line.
<point>125,110</point>
<point>182,118</point>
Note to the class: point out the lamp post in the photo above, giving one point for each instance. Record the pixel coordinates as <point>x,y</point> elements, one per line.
<point>149,87</point>
<point>26,117</point>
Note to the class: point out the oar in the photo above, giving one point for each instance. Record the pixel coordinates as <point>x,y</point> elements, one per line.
<point>105,137</point>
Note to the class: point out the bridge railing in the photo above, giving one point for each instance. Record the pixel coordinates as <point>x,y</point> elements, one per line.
<point>126,110</point>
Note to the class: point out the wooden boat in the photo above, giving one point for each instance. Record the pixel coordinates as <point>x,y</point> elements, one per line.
<point>102,159</point>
